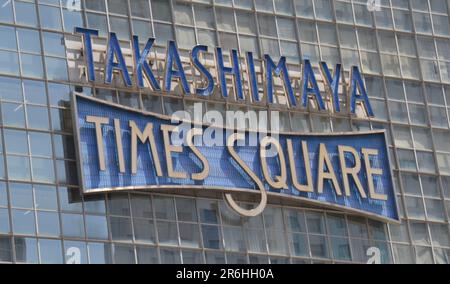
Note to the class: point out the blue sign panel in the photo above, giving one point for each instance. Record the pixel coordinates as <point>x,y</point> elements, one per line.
<point>125,149</point>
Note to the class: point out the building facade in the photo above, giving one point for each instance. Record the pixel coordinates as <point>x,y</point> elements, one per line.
<point>402,48</point>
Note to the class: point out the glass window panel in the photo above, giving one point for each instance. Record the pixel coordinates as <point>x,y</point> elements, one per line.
<point>442,256</point>
<point>118,7</point>
<point>56,69</point>
<point>276,242</point>
<point>323,9</point>
<point>26,13</point>
<point>140,8</point>
<point>4,221</point>
<point>167,233</point>
<point>54,44</point>
<point>341,248</point>
<point>121,229</point>
<point>208,211</point>
<point>34,92</point>
<point>267,25</point>
<point>211,237</point>
<point>144,231</point>
<point>161,10</point>
<point>419,233</point>
<point>19,168</point>
<point>6,14</point>
<point>316,223</point>
<point>124,254</point>
<point>204,16</point>
<point>185,37</point>
<point>344,12</point>
<point>403,254</point>
<point>48,224</point>
<point>246,22</point>
<point>21,195</point>
<point>11,89</point>
<point>186,210</point>
<point>319,246</point>
<point>440,235</point>
<point>426,162</point>
<point>234,239</point>
<point>98,22</point>
<point>40,144</point>
<point>362,15</point>
<point>121,27</point>
<point>164,208</point>
<point>189,235</point>
<point>72,19</point>
<point>26,250</point>
<point>10,34</point>
<point>424,255</point>
<point>415,207</point>
<point>50,251</point>
<point>225,19</point>
<point>72,225</point>
<point>50,17</point>
<point>337,225</point>
<point>141,206</point>
<point>170,256</point>
<point>358,227</point>
<point>435,210</point>
<point>147,255</point>
<point>96,227</point>
<point>418,114</point>
<point>70,199</point>
<point>46,198</point>
<point>38,117</point>
<point>9,63</point>
<point>399,233</point>
<point>234,258</point>
<point>3,195</point>
<point>95,204</point>
<point>99,253</point>
<point>183,13</point>
<point>23,222</point>
<point>75,252</point>
<point>163,32</point>
<point>118,204</point>
<point>215,258</point>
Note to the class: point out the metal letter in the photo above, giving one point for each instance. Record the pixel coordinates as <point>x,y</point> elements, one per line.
<point>310,77</point>
<point>235,71</point>
<point>88,52</point>
<point>332,85</point>
<point>173,57</point>
<point>280,181</point>
<point>99,121</point>
<point>252,77</point>
<point>189,139</point>
<point>169,149</point>
<point>262,204</point>
<point>114,51</point>
<point>141,64</point>
<point>356,83</point>
<point>306,162</point>
<point>324,160</point>
<point>351,171</point>
<point>143,137</point>
<point>118,132</point>
<point>278,69</point>
<point>371,172</point>
<point>209,90</point>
